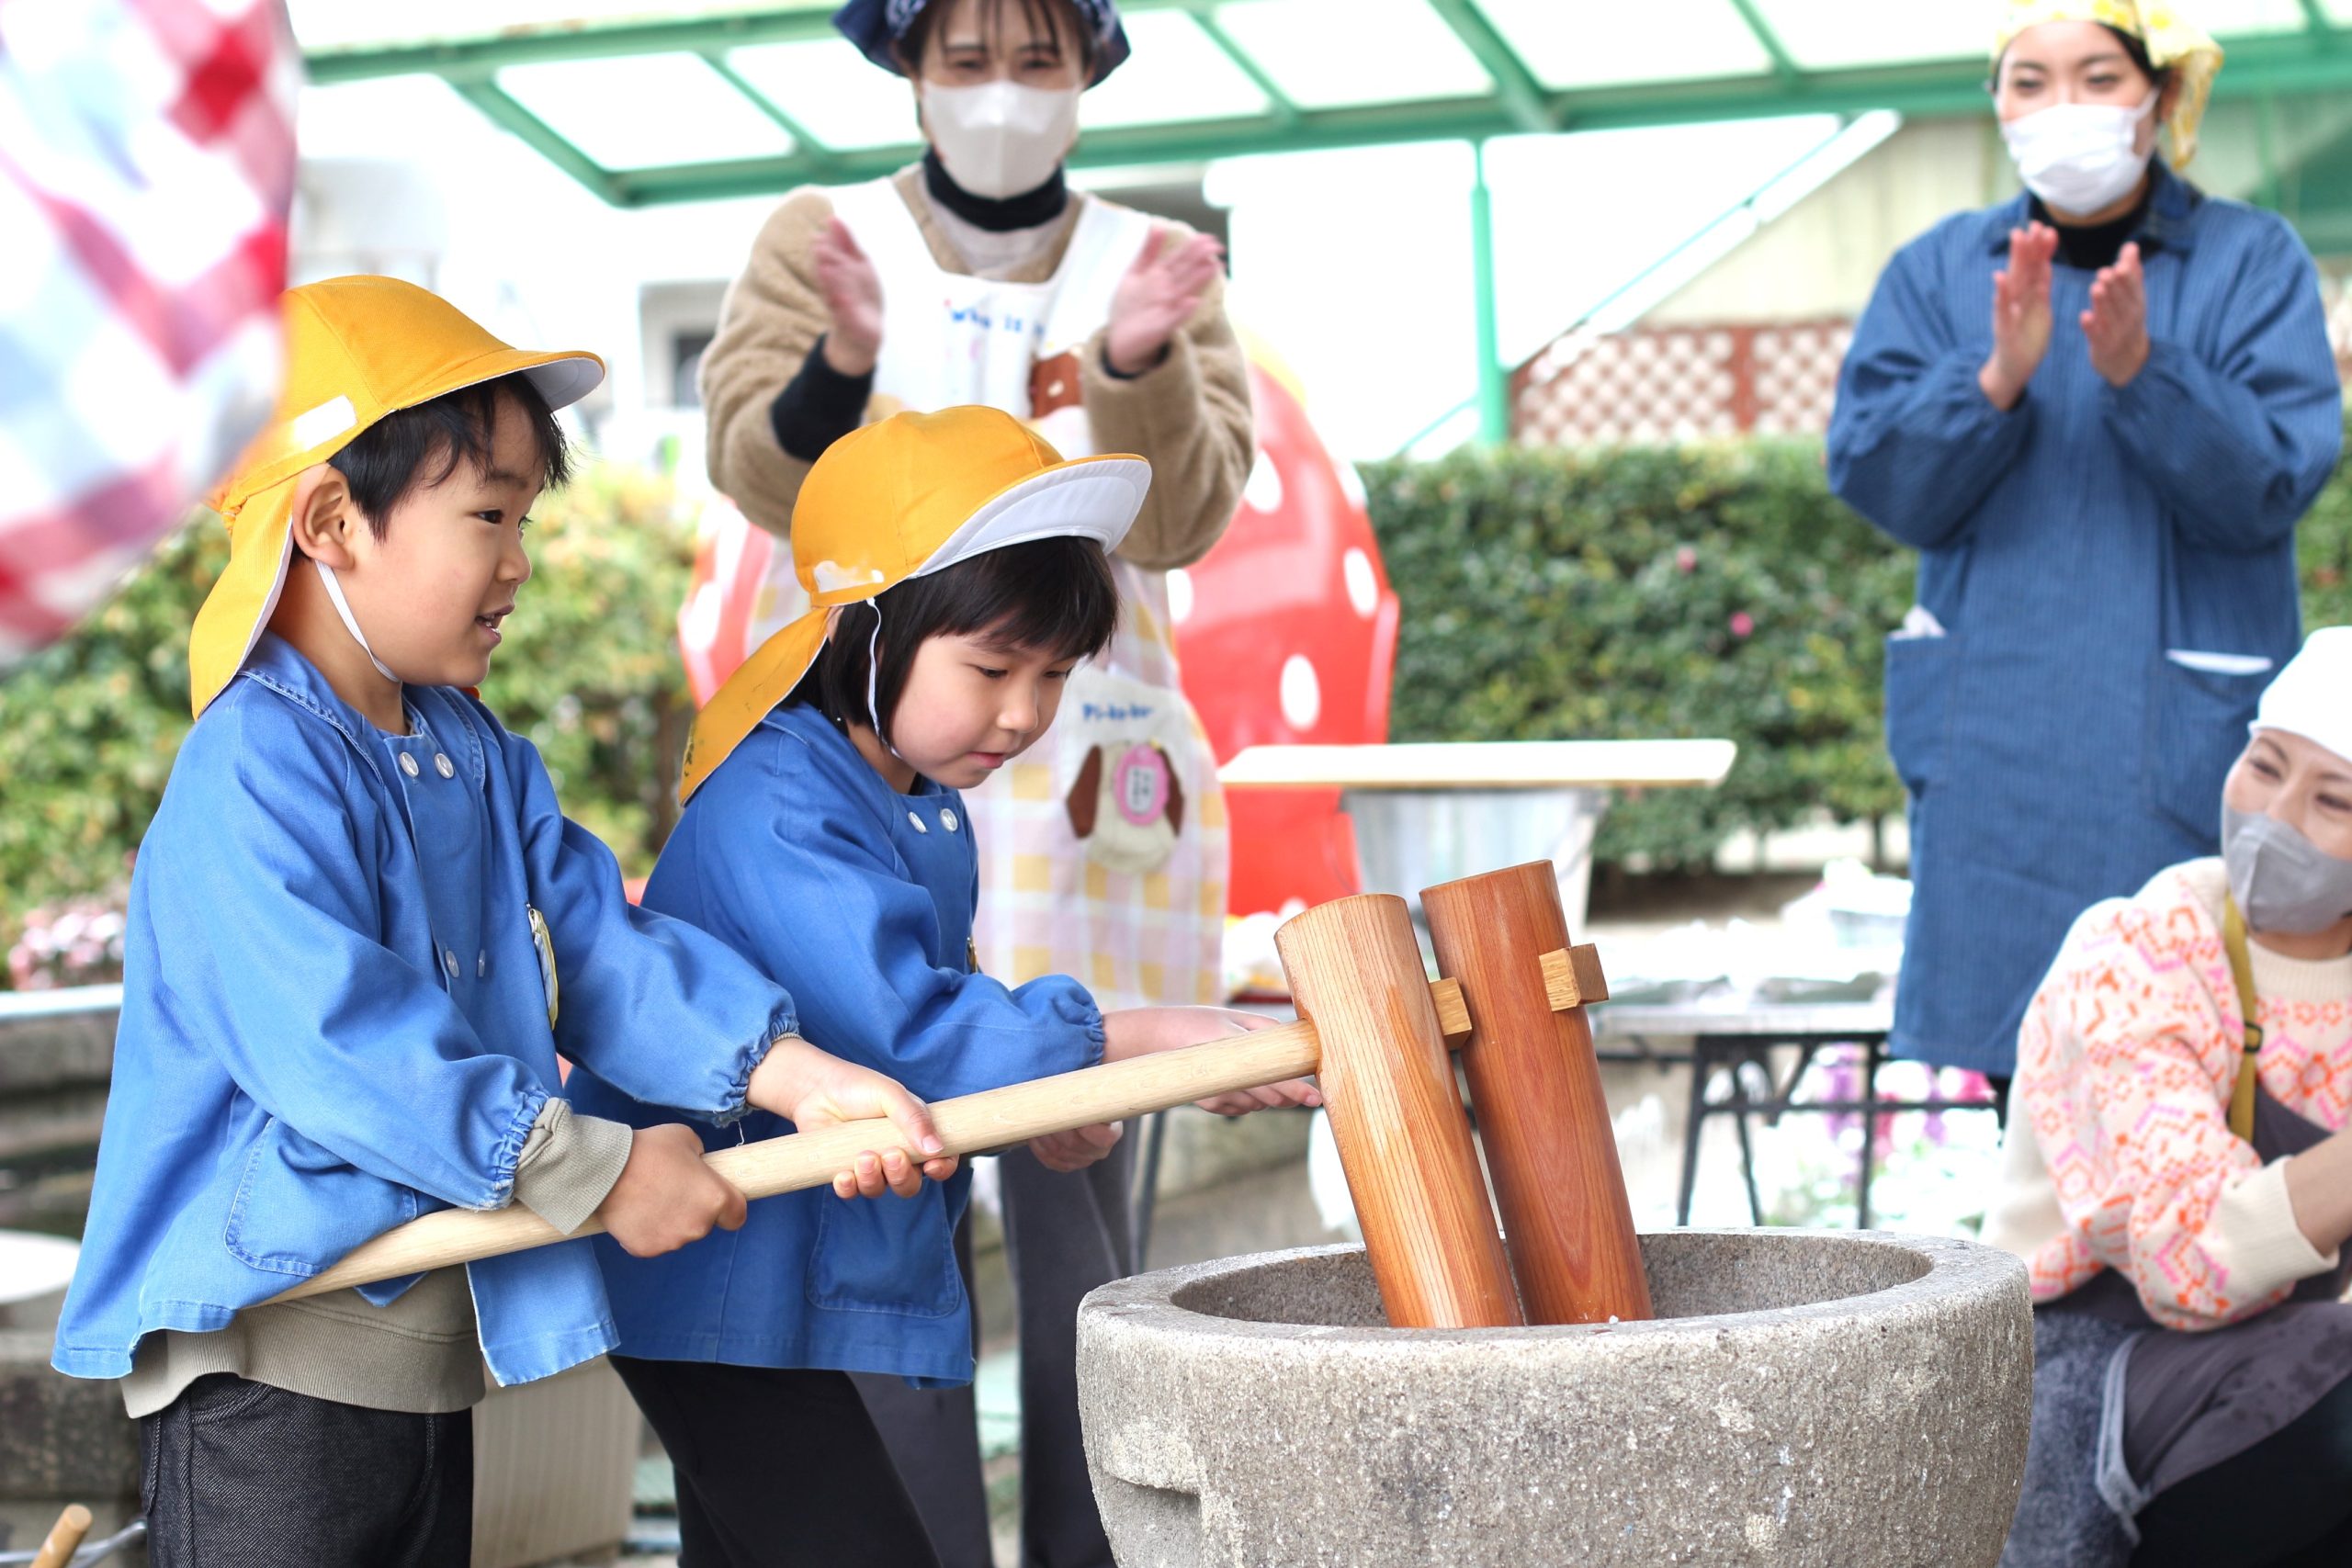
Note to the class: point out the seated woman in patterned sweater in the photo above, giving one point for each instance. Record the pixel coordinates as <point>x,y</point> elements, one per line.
<point>2179,1181</point>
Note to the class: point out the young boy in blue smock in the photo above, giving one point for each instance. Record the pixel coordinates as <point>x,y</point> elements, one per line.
<point>959,570</point>
<point>360,931</point>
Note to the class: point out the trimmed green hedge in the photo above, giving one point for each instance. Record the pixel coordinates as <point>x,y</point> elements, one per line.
<point>589,672</point>
<point>1637,591</point>
<point>1697,591</point>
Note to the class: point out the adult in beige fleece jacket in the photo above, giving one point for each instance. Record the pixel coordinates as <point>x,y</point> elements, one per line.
<point>800,358</point>
<point>1189,414</point>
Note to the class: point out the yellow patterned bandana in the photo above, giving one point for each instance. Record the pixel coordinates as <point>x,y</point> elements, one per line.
<point>2172,41</point>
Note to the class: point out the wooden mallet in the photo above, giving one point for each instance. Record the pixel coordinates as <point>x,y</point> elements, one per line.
<point>1535,1085</point>
<point>1370,1024</point>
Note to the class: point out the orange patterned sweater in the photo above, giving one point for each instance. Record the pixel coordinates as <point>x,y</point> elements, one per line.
<point>2120,1154</point>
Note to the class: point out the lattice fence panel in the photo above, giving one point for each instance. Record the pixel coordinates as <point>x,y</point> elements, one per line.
<point>1794,371</point>
<point>1653,386</point>
<point>1639,387</point>
<point>1658,385</point>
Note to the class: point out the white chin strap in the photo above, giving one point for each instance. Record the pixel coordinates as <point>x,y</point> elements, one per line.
<point>351,622</point>
<point>873,680</point>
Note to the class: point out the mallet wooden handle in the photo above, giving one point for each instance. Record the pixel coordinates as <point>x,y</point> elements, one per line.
<point>971,1124</point>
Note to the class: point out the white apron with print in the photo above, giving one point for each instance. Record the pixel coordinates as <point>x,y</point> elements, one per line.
<point>1103,849</point>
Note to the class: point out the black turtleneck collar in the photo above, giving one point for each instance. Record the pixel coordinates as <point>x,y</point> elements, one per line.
<point>2091,246</point>
<point>1026,211</point>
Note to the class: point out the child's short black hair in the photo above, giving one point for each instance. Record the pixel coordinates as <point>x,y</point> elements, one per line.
<point>416,449</point>
<point>1054,595</point>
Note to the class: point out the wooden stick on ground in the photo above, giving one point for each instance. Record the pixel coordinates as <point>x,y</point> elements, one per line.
<point>64,1537</point>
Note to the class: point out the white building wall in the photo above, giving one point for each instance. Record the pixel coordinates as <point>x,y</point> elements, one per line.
<point>1823,256</point>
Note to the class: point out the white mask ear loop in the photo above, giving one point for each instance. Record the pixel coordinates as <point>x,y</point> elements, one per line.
<point>350,621</point>
<point>873,680</point>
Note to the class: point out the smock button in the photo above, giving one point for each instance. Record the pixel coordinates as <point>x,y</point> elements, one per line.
<point>481,963</point>
<point>920,826</point>
<point>408,764</point>
<point>442,765</point>
<point>948,821</point>
<point>449,961</point>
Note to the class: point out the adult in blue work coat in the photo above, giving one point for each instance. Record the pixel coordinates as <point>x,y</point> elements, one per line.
<point>2098,411</point>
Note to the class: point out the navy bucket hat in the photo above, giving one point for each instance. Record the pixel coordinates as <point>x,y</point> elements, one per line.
<point>877,26</point>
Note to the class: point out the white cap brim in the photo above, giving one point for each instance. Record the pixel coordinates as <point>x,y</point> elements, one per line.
<point>1089,498</point>
<point>564,382</point>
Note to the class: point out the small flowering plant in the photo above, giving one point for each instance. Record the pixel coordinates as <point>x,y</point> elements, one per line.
<point>77,942</point>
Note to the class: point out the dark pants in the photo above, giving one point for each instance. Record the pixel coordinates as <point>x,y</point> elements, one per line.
<point>1064,1234</point>
<point>777,1467</point>
<point>244,1474</point>
<point>2284,1502</point>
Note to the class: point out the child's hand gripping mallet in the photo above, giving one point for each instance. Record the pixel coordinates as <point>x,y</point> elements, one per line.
<point>1371,1025</point>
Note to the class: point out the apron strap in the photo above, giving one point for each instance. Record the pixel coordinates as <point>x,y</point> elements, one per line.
<point>2242,972</point>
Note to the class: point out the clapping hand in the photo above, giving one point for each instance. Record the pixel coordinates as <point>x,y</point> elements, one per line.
<point>2020,315</point>
<point>853,292</point>
<point>1159,295</point>
<point>2117,322</point>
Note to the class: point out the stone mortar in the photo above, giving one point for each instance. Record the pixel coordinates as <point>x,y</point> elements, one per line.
<point>1850,1400</point>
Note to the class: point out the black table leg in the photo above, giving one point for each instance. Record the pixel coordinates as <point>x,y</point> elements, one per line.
<point>1746,1140</point>
<point>1872,1056</point>
<point>1701,1068</point>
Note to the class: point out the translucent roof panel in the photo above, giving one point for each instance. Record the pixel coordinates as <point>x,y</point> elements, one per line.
<point>835,93</point>
<point>699,100</point>
<point>1321,52</point>
<point>343,24</point>
<point>647,111</point>
<point>1827,34</point>
<point>1177,72</point>
<point>1658,40</point>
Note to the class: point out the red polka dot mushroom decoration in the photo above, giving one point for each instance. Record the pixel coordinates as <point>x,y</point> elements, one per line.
<point>1287,631</point>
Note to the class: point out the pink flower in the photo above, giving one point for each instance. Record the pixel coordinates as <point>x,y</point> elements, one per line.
<point>1742,623</point>
<point>1686,559</point>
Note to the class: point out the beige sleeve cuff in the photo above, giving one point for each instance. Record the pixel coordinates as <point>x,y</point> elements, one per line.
<point>570,1164</point>
<point>2253,1235</point>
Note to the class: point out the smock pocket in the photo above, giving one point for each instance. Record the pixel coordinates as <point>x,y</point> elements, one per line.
<point>2198,716</point>
<point>300,1207</point>
<point>1920,675</point>
<point>895,1255</point>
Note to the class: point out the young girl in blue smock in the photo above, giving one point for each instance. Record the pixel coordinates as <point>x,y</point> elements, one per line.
<point>958,572</point>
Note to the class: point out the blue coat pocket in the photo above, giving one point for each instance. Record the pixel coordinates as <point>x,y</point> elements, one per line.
<point>300,1207</point>
<point>1920,675</point>
<point>894,1254</point>
<point>2197,726</point>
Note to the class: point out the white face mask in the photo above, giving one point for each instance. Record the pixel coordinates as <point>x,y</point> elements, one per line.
<point>2079,157</point>
<point>1000,139</point>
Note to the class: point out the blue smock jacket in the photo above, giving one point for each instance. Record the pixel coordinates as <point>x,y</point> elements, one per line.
<point>2087,554</point>
<point>334,1017</point>
<point>795,854</point>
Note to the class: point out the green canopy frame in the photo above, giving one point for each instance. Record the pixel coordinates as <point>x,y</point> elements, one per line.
<point>2315,60</point>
